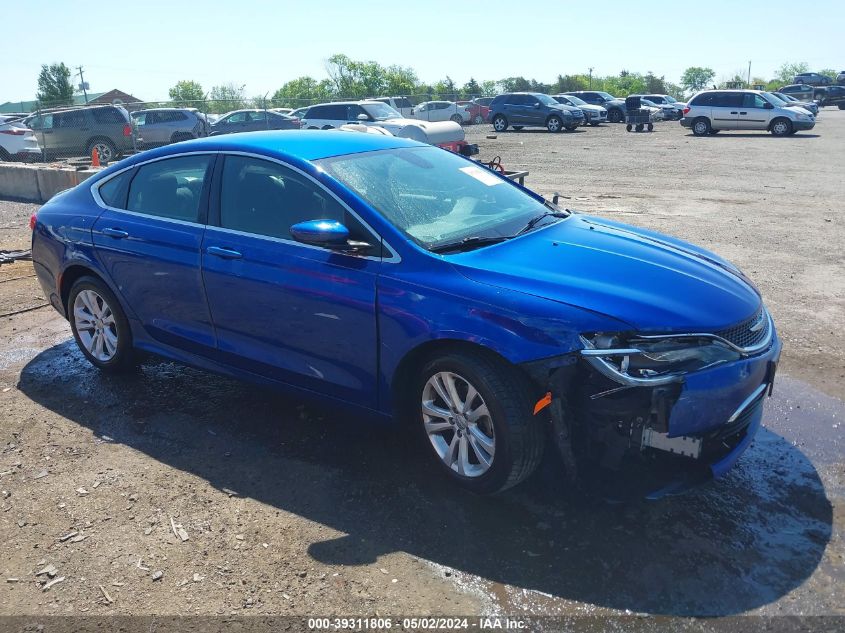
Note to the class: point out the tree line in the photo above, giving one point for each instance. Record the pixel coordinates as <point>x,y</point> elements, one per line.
<point>354,79</point>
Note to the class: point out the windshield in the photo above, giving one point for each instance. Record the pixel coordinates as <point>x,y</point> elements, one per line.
<point>545,99</point>
<point>669,99</point>
<point>435,197</point>
<point>775,101</point>
<point>606,96</point>
<point>381,111</point>
<point>575,100</point>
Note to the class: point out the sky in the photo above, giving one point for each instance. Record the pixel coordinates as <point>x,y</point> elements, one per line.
<point>146,46</point>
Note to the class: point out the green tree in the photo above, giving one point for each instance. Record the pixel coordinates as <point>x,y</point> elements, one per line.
<point>187,93</point>
<point>471,88</point>
<point>445,89</point>
<point>226,97</point>
<point>54,87</point>
<point>786,73</point>
<point>655,85</point>
<point>302,91</point>
<point>399,81</point>
<point>489,88</point>
<point>570,83</point>
<point>696,78</point>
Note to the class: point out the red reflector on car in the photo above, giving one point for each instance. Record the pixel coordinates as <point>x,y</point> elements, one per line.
<point>543,402</point>
<point>14,131</point>
<point>686,110</point>
<point>32,222</point>
<point>127,130</point>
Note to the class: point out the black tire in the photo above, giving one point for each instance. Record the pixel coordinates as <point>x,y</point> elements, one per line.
<point>629,127</point>
<point>554,123</point>
<point>518,434</point>
<point>651,127</point>
<point>124,358</point>
<point>477,119</point>
<point>615,116</point>
<point>500,123</point>
<point>594,123</point>
<point>701,127</point>
<point>105,149</point>
<point>781,127</point>
<point>327,127</point>
<point>639,127</point>
<point>457,118</point>
<point>570,128</point>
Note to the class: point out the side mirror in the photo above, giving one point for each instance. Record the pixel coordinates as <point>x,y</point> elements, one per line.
<point>537,105</point>
<point>326,233</point>
<point>363,117</point>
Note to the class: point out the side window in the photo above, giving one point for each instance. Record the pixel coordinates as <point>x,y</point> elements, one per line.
<point>265,198</point>
<point>170,188</point>
<point>753,101</point>
<point>315,112</point>
<point>140,118</point>
<point>403,102</point>
<point>113,192</point>
<point>353,111</point>
<point>73,119</point>
<point>705,99</point>
<point>107,115</point>
<point>238,117</point>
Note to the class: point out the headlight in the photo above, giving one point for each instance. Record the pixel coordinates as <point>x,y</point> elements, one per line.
<point>653,361</point>
<point>803,117</point>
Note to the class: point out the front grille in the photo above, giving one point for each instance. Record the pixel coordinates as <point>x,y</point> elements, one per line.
<point>743,336</point>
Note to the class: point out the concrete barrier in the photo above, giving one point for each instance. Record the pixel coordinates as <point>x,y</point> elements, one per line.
<point>38,183</point>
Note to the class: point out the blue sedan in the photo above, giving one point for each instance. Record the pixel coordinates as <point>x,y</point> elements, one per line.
<point>414,284</point>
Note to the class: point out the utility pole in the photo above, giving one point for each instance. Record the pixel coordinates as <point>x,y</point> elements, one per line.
<point>749,73</point>
<point>82,84</point>
<point>591,78</point>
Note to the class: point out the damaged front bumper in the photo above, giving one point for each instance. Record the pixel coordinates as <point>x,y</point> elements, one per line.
<point>683,430</point>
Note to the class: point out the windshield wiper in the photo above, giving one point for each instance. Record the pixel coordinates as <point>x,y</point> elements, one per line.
<point>547,214</point>
<point>469,243</point>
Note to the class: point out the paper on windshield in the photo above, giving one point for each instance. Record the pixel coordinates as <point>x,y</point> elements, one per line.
<point>482,175</point>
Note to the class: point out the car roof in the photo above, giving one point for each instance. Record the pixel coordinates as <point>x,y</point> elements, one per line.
<point>306,145</point>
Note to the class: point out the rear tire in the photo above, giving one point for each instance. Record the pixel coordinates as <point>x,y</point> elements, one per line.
<point>105,149</point>
<point>615,116</point>
<point>478,120</point>
<point>518,127</point>
<point>100,326</point>
<point>457,118</point>
<point>594,123</point>
<point>701,127</point>
<point>482,435</point>
<point>500,123</point>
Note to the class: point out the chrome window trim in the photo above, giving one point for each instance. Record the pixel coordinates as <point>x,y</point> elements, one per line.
<point>95,187</point>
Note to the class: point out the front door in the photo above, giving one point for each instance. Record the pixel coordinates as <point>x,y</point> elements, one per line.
<point>299,314</point>
<point>148,241</point>
<point>754,113</point>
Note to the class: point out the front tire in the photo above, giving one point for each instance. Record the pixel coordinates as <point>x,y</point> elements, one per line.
<point>500,123</point>
<point>554,124</point>
<point>475,416</point>
<point>100,326</point>
<point>478,120</point>
<point>781,127</point>
<point>457,119</point>
<point>615,116</point>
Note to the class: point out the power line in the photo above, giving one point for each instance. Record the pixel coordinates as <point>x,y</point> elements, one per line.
<point>82,84</point>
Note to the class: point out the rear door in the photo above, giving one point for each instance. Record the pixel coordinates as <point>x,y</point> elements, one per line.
<point>725,110</point>
<point>148,240</point>
<point>70,132</point>
<point>300,314</point>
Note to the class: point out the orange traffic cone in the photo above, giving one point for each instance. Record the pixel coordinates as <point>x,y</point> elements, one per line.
<point>95,158</point>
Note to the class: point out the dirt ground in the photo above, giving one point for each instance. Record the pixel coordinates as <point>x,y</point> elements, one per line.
<point>172,491</point>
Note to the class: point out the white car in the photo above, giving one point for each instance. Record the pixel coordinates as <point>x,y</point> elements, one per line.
<point>402,105</point>
<point>593,114</point>
<point>442,111</point>
<point>17,142</point>
<point>328,116</point>
<point>299,113</point>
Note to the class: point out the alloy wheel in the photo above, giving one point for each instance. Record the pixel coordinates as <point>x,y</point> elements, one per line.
<point>95,324</point>
<point>458,424</point>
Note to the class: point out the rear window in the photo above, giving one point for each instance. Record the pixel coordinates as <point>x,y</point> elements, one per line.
<point>113,192</point>
<point>403,102</point>
<point>108,115</point>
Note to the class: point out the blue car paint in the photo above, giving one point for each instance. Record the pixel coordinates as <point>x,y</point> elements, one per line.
<point>526,299</point>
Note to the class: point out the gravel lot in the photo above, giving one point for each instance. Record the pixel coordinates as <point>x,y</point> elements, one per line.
<point>293,509</point>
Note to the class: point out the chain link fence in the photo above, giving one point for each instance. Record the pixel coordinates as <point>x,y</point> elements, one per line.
<point>78,134</point>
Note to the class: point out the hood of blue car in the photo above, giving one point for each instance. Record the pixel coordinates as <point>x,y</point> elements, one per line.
<point>650,281</point>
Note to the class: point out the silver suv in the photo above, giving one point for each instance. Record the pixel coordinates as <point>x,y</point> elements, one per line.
<point>160,126</point>
<point>712,111</point>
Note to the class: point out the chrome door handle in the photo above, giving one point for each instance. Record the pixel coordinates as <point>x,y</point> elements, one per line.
<point>117,234</point>
<point>225,253</point>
